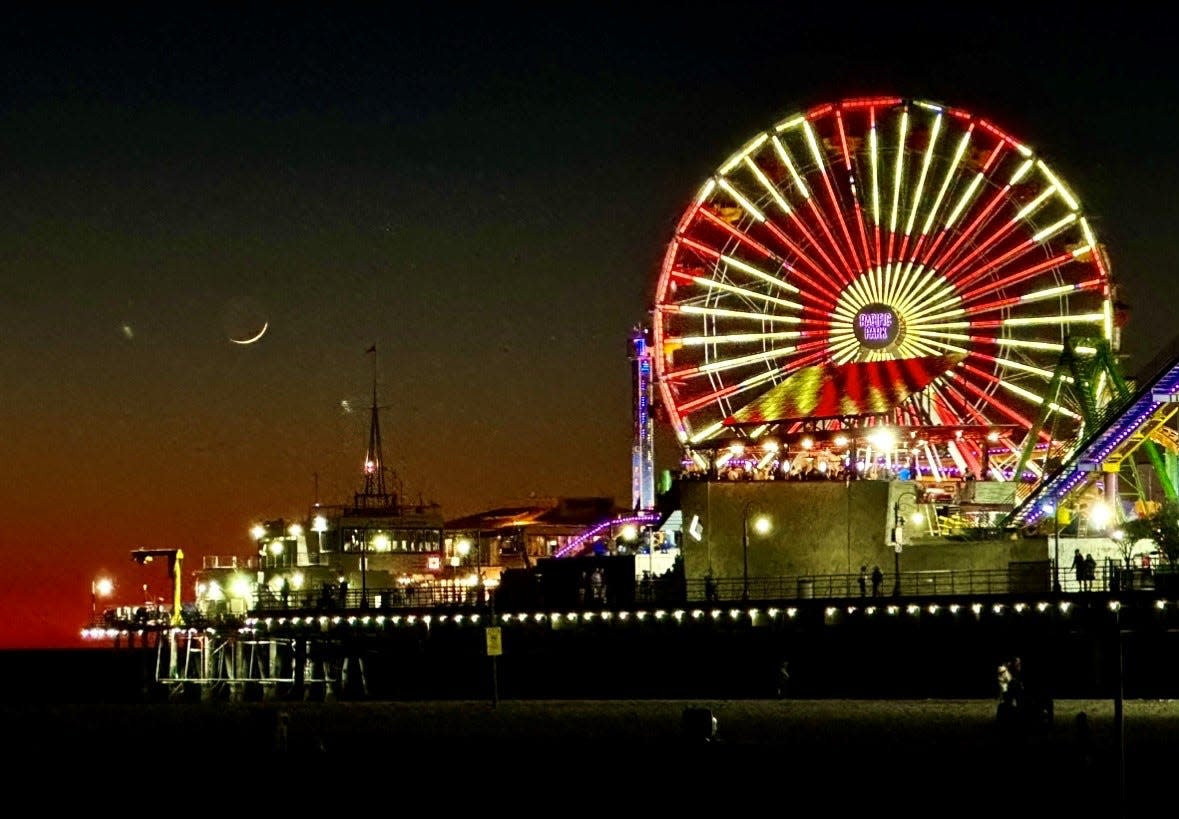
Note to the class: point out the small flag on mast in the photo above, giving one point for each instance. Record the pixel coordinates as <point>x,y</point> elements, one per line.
<point>371,349</point>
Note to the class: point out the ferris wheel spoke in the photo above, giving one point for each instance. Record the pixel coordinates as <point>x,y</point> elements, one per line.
<point>821,163</point>
<point>912,266</point>
<point>950,406</point>
<point>777,232</point>
<point>1009,280</point>
<point>1002,407</point>
<point>874,172</point>
<point>1012,364</point>
<point>913,286</point>
<point>710,398</point>
<point>714,367</point>
<point>993,265</point>
<point>971,230</point>
<point>804,193</point>
<point>767,185</point>
<point>740,236</point>
<point>1033,242</point>
<point>953,171</point>
<point>845,351</point>
<point>854,191</point>
<point>814,268</point>
<point>719,313</point>
<point>999,361</point>
<point>735,338</point>
<point>948,227</point>
<point>750,295</point>
<point>753,272</point>
<point>844,267</point>
<point>730,391</point>
<point>971,413</point>
<point>926,286</point>
<point>1026,344</point>
<point>809,237</point>
<point>914,346</point>
<point>707,432</point>
<point>926,163</point>
<point>1027,395</point>
<point>943,313</point>
<point>1061,320</point>
<point>718,258</point>
<point>897,179</point>
<point>978,251</point>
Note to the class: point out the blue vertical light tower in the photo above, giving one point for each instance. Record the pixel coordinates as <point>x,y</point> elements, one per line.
<point>643,448</point>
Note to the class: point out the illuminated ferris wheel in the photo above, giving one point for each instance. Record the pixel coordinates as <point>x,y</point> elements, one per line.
<point>883,259</point>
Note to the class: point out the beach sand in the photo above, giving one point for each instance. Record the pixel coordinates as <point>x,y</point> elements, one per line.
<point>915,747</point>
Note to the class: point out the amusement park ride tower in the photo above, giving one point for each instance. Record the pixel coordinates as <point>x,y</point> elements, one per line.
<point>643,448</point>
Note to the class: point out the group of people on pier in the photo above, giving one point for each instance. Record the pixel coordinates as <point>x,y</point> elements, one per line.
<point>1085,569</point>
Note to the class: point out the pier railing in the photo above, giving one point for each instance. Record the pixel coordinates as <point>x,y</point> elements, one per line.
<point>665,591</point>
<point>1019,579</point>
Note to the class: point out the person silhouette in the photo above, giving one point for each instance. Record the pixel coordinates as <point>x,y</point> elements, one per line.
<point>1086,748</point>
<point>782,686</point>
<point>597,587</point>
<point>709,587</point>
<point>877,580</point>
<point>1079,568</point>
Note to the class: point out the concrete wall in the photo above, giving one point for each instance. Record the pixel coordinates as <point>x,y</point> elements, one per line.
<point>823,528</point>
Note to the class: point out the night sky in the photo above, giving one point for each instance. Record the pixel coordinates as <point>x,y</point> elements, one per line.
<point>486,196</point>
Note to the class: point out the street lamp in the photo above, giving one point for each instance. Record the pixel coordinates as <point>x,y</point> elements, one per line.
<point>1054,510</point>
<point>761,525</point>
<point>99,587</point>
<point>898,534</point>
<point>319,525</point>
<point>464,548</point>
<point>479,592</point>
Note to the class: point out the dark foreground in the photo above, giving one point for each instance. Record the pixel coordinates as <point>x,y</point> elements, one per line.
<point>917,752</point>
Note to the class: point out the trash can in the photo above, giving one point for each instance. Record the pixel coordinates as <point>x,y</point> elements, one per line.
<point>806,587</point>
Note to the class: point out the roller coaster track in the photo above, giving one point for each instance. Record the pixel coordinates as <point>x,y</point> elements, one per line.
<point>1138,419</point>
<point>583,543</point>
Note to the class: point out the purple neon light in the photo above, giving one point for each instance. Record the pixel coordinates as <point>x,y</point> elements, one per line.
<point>1109,439</point>
<point>576,543</point>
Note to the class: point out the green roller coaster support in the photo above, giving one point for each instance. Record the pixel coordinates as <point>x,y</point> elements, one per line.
<point>1085,372</point>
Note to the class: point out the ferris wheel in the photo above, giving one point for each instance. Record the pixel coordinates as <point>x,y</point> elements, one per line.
<point>881,258</point>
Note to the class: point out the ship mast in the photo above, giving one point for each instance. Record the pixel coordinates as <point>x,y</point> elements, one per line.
<point>375,494</point>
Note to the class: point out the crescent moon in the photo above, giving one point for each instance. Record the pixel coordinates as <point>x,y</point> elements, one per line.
<point>261,333</point>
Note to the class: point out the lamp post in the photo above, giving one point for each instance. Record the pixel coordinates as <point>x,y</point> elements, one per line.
<point>761,525</point>
<point>1056,551</point>
<point>464,548</point>
<point>898,535</point>
<point>479,590</point>
<point>99,587</point>
<point>1055,510</point>
<point>364,572</point>
<point>319,525</point>
<point>651,554</point>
